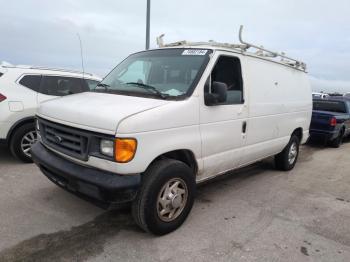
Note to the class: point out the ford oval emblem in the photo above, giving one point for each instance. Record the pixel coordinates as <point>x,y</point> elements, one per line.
<point>58,139</point>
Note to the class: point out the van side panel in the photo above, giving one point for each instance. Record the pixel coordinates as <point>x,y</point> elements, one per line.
<point>279,102</point>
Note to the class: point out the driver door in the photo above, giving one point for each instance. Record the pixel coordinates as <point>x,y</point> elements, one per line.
<point>223,125</point>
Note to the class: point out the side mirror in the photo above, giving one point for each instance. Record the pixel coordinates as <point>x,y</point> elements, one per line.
<point>218,94</point>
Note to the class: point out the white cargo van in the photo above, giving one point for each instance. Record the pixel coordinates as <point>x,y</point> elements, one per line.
<point>166,119</point>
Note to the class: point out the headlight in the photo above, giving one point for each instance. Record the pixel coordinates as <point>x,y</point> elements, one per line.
<point>107,147</point>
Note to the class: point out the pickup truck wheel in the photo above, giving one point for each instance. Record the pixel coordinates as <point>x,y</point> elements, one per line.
<point>338,141</point>
<point>165,198</point>
<point>22,140</point>
<point>288,157</point>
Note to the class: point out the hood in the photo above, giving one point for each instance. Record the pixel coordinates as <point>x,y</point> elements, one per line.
<point>96,111</point>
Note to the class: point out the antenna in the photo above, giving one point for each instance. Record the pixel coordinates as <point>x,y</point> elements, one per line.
<point>81,54</point>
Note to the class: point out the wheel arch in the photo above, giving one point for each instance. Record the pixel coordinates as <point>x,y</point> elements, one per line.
<point>17,125</point>
<point>299,133</point>
<point>184,155</point>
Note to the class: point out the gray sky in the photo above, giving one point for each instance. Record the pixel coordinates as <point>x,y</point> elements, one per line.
<point>40,32</point>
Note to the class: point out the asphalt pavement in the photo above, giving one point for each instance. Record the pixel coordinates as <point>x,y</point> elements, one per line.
<point>254,214</point>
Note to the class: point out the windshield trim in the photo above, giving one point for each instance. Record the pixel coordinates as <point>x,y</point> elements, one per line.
<point>176,98</point>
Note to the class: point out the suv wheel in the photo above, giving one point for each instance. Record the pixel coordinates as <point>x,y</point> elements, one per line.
<point>165,198</point>
<point>288,157</point>
<point>338,141</point>
<point>22,140</point>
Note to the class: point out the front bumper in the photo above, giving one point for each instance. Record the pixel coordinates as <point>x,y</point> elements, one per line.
<point>100,187</point>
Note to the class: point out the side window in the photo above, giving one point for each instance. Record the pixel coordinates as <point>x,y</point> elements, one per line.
<point>31,81</point>
<point>91,83</point>
<point>62,86</point>
<point>227,71</point>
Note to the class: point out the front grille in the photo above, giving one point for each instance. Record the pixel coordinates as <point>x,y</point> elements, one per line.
<point>70,141</point>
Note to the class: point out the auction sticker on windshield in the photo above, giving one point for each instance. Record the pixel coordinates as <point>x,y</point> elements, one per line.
<point>194,52</point>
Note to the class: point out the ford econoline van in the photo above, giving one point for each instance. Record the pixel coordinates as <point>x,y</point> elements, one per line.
<point>166,119</point>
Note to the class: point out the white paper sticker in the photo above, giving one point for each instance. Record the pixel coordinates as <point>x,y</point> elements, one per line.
<point>194,52</point>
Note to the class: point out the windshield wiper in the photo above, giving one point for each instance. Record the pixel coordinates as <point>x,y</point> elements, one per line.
<point>103,85</point>
<point>105,88</point>
<point>148,87</point>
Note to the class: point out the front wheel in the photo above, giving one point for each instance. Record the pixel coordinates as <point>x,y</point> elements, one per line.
<point>288,157</point>
<point>165,198</point>
<point>21,142</point>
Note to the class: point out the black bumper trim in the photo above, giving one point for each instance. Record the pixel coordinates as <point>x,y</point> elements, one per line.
<point>92,184</point>
<point>326,135</point>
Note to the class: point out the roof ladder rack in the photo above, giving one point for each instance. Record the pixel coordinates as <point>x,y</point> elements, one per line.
<point>290,61</point>
<point>242,47</point>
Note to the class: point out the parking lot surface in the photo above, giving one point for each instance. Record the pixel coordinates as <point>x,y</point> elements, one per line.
<point>254,214</point>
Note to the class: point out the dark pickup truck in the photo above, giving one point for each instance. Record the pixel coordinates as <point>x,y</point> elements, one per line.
<point>330,120</point>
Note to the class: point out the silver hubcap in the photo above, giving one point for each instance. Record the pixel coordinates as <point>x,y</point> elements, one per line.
<point>293,152</point>
<point>172,199</point>
<point>27,141</point>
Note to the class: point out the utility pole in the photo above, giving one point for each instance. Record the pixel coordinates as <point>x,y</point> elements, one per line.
<point>148,15</point>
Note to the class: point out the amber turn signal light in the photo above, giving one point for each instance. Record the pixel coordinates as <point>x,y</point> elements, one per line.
<point>125,149</point>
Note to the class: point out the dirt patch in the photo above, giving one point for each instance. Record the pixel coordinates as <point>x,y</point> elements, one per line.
<point>77,244</point>
<point>304,251</point>
<point>306,153</point>
<point>343,200</point>
<point>202,199</point>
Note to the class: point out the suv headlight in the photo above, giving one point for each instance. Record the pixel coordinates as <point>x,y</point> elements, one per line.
<point>107,147</point>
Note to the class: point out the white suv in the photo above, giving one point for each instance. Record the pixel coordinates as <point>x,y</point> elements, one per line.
<point>22,89</point>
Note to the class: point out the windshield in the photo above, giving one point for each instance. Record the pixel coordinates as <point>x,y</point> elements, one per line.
<point>164,73</point>
<point>332,106</point>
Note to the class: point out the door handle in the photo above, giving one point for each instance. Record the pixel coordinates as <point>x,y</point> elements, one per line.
<point>244,127</point>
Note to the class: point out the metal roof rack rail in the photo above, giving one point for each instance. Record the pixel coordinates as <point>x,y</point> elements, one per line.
<point>272,54</point>
<point>242,47</point>
<point>60,70</point>
<point>161,44</point>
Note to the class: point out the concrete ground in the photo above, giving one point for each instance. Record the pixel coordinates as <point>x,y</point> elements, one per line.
<point>255,214</point>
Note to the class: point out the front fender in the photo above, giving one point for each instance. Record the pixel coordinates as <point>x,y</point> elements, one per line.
<point>152,144</point>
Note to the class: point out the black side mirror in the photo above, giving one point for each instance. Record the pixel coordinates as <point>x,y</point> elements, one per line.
<point>218,94</point>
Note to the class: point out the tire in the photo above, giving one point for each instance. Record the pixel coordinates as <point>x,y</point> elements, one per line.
<point>339,140</point>
<point>20,137</point>
<point>285,161</point>
<point>147,209</point>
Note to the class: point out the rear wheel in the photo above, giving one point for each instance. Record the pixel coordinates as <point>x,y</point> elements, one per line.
<point>21,142</point>
<point>339,140</point>
<point>165,198</point>
<point>288,157</point>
